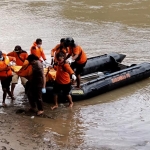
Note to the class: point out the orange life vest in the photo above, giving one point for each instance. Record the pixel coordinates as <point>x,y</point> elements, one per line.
<point>20,57</point>
<point>25,70</point>
<point>37,51</point>
<point>77,50</point>
<point>63,73</point>
<point>5,70</point>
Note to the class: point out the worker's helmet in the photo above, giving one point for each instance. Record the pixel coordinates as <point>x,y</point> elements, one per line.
<point>69,41</point>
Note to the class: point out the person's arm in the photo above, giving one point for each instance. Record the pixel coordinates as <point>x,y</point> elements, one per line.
<point>44,83</point>
<point>75,57</point>
<point>25,56</point>
<point>68,56</point>
<point>33,48</point>
<point>68,69</point>
<point>76,52</point>
<point>43,55</point>
<point>54,50</point>
<point>12,58</point>
<point>53,54</point>
<point>11,54</point>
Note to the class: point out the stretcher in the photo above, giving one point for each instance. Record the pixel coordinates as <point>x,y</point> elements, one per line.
<point>50,74</point>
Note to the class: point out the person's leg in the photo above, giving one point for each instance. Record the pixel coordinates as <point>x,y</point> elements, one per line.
<point>70,100</point>
<point>55,101</point>
<point>4,97</point>
<point>10,94</point>
<point>66,90</point>
<point>14,81</point>
<point>78,80</point>
<point>56,90</point>
<point>9,79</point>
<point>79,69</point>
<point>23,81</point>
<point>27,86</point>
<point>39,101</point>
<point>13,85</point>
<point>40,107</point>
<point>6,88</point>
<point>31,98</point>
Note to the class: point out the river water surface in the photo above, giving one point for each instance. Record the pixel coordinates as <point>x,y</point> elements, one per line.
<point>116,120</point>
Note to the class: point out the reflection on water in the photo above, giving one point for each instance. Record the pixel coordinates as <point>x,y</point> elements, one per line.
<point>117,119</point>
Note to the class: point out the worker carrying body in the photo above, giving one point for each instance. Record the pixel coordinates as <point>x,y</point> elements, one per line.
<point>37,50</point>
<point>6,75</point>
<point>20,56</point>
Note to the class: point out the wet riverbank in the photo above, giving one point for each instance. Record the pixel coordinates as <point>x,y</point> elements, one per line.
<point>118,120</point>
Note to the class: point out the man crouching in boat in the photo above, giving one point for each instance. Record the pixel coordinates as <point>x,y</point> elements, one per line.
<point>78,56</point>
<point>58,48</point>
<point>63,82</point>
<point>6,75</point>
<point>36,84</point>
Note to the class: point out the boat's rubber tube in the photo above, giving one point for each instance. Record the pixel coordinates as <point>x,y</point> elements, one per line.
<point>106,83</point>
<point>102,63</point>
<point>112,81</point>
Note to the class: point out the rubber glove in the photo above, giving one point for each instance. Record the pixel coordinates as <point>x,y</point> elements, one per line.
<point>43,90</point>
<point>12,63</point>
<point>69,61</point>
<point>46,62</point>
<point>72,60</point>
<point>74,77</point>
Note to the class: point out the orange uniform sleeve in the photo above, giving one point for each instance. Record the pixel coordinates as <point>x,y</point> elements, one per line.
<point>11,54</point>
<point>12,58</point>
<point>43,55</point>
<point>77,50</point>
<point>68,69</point>
<point>25,55</point>
<point>54,50</point>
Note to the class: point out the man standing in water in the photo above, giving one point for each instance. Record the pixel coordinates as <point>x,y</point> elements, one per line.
<point>78,56</point>
<point>36,84</point>
<point>20,56</point>
<point>6,75</point>
<point>63,82</point>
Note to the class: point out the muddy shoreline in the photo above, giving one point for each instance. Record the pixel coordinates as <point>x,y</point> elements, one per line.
<point>20,131</point>
<point>23,130</point>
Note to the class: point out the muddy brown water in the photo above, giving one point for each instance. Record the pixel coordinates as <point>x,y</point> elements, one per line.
<point>117,120</point>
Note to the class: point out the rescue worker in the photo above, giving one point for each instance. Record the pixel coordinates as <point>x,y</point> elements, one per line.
<point>6,75</point>
<point>36,84</point>
<point>20,56</point>
<point>59,47</point>
<point>78,56</point>
<point>38,51</point>
<point>62,81</point>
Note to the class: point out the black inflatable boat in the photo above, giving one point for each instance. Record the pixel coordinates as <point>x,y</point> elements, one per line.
<point>101,63</point>
<point>100,82</point>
